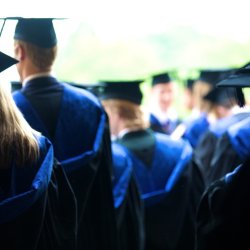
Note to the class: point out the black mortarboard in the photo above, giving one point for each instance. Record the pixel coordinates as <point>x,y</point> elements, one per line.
<point>209,76</point>
<point>38,31</point>
<point>213,76</point>
<point>6,61</point>
<point>161,78</point>
<point>240,78</point>
<point>122,90</point>
<point>222,96</point>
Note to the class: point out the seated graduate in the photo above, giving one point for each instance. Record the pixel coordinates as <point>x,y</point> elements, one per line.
<point>221,115</point>
<point>162,115</point>
<point>192,129</point>
<point>223,216</point>
<point>165,181</point>
<point>75,123</point>
<point>37,204</point>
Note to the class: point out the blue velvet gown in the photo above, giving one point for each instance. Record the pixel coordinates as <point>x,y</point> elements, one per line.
<point>166,183</point>
<point>37,205</point>
<point>76,124</point>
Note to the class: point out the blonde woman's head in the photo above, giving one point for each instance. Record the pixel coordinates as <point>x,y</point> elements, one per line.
<point>124,114</point>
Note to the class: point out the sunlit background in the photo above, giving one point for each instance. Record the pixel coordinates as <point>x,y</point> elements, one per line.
<point>121,40</point>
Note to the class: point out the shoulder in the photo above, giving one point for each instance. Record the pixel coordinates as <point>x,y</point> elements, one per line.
<point>168,140</point>
<point>120,153</point>
<point>44,143</point>
<point>178,147</point>
<point>80,94</point>
<point>121,158</point>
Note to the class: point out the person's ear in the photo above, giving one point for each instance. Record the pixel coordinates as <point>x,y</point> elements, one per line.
<point>19,52</point>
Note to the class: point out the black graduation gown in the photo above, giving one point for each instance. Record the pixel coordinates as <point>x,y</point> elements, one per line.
<point>224,159</point>
<point>128,203</point>
<point>39,211</point>
<point>206,148</point>
<point>77,125</point>
<point>170,209</point>
<point>231,149</point>
<point>223,217</point>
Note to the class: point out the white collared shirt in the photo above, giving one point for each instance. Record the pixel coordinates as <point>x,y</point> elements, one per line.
<point>31,77</point>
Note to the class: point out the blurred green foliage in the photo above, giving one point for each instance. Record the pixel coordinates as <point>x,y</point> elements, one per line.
<point>86,57</point>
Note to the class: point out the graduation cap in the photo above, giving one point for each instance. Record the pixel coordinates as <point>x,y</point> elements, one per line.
<point>240,78</point>
<point>222,96</point>
<point>162,78</point>
<point>122,90</point>
<point>213,76</point>
<point>38,31</point>
<point>6,61</point>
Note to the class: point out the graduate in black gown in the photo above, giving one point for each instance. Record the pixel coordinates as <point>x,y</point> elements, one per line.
<point>37,204</point>
<point>223,216</point>
<point>198,123</point>
<point>128,204</point>
<point>76,124</point>
<point>170,189</point>
<point>222,116</point>
<point>230,150</point>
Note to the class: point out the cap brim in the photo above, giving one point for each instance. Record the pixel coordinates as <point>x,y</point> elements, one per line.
<point>241,81</point>
<point>6,61</point>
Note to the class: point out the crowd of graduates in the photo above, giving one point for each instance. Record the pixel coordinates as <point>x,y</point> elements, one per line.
<point>87,167</point>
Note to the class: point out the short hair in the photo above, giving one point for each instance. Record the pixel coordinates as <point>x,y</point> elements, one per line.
<point>42,58</point>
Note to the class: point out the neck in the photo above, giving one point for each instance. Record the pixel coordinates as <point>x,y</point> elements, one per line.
<point>29,69</point>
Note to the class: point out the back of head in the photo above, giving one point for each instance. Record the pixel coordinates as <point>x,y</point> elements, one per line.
<point>123,99</point>
<point>225,97</point>
<point>238,79</point>
<point>205,83</point>
<point>38,37</point>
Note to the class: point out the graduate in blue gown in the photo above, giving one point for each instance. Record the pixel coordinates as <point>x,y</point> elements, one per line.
<point>162,115</point>
<point>223,215</point>
<point>128,204</point>
<point>165,180</point>
<point>76,124</point>
<point>37,204</point>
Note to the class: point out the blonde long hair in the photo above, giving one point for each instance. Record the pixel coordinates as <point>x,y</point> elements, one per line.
<point>17,141</point>
<point>200,89</point>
